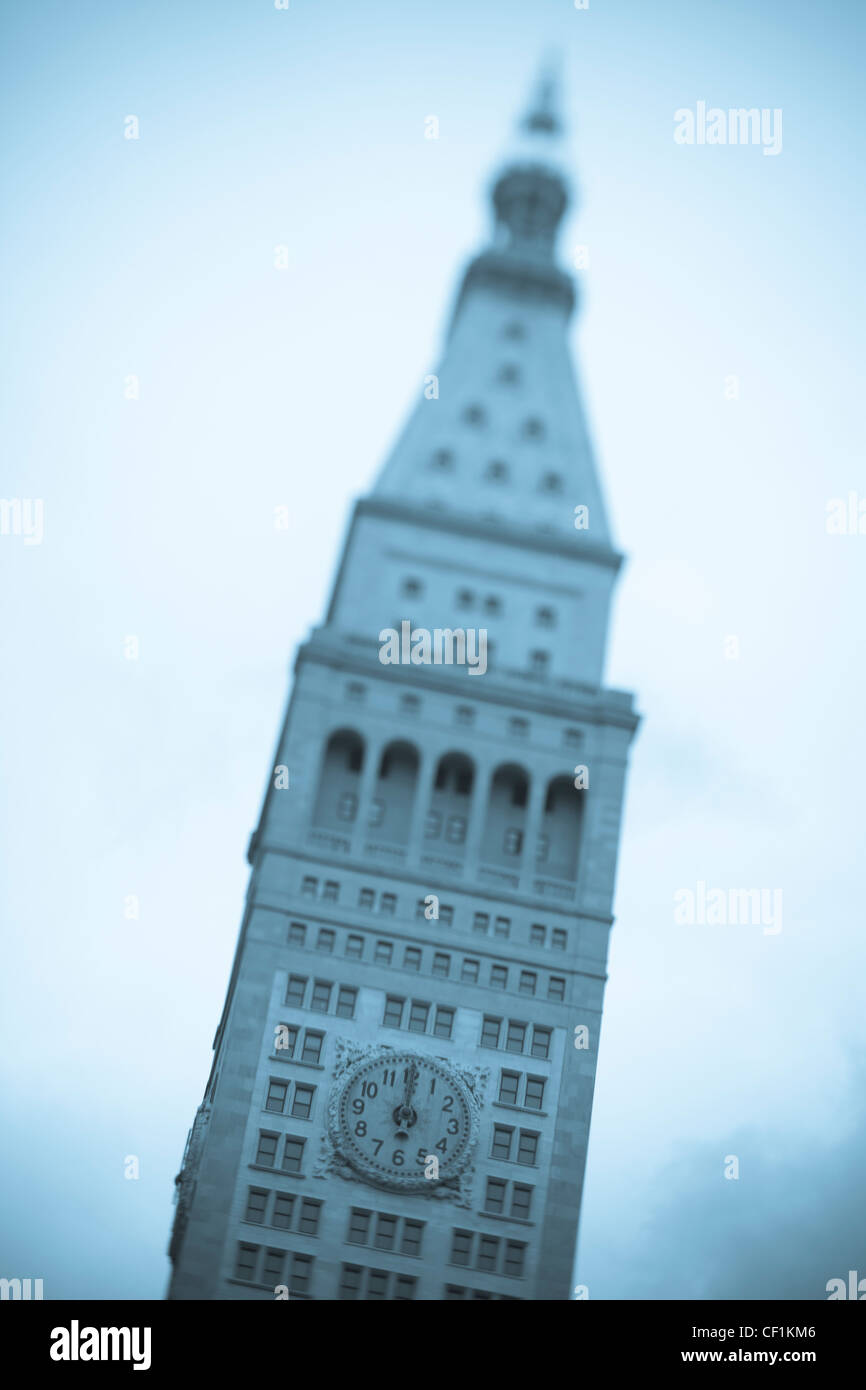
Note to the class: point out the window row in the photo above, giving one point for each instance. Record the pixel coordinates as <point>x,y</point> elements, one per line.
<point>322,996</point>
<point>287,1038</point>
<point>490,604</point>
<point>384,1232</point>
<point>493,1254</point>
<point>356,691</point>
<point>260,1264</point>
<point>294,1098</point>
<point>418,1016</point>
<point>357,1281</point>
<point>483,924</point>
<point>517,1088</point>
<point>268,1151</point>
<point>512,1145</point>
<point>512,1035</point>
<point>503,1198</point>
<point>283,1210</point>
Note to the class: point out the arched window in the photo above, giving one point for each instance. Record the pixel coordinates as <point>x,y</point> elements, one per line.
<point>559,840</point>
<point>391,810</point>
<point>505,825</point>
<point>337,796</point>
<point>448,814</point>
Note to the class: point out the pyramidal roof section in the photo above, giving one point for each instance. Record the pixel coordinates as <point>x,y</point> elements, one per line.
<point>499,433</point>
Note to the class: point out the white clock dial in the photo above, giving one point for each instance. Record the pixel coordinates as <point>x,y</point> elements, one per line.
<point>398,1110</point>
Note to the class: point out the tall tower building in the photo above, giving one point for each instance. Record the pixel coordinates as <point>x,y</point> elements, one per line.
<point>403,1073</point>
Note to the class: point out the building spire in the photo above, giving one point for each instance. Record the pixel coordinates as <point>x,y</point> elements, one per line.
<point>531,191</point>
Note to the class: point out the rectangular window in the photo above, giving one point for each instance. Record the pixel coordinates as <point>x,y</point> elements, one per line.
<point>528,981</point>
<point>405,1286</point>
<point>527,1147</point>
<point>461,1247</point>
<point>534,1098</point>
<point>285,1039</point>
<point>310,1212</point>
<point>309,886</point>
<point>257,1201</point>
<point>502,926</point>
<point>284,1207</point>
<point>350,1281</point>
<point>480,922</point>
<point>312,1049</point>
<point>296,990</point>
<point>509,1083</point>
<point>377,1283</point>
<point>276,1097</point>
<point>540,1041</point>
<point>293,1154</point>
<point>245,1265</point>
<point>418,1015</point>
<point>420,907</point>
<point>359,1226</point>
<point>386,1232</point>
<point>384,952</point>
<point>464,714</point>
<point>441,965</point>
<point>498,976</point>
<point>501,1147</point>
<point>515,1252</point>
<point>521,1201</point>
<point>443,1022</point>
<point>490,1030</point>
<point>272,1266</point>
<point>321,997</point>
<point>267,1149</point>
<point>455,830</point>
<point>366,898</point>
<point>515,1037</point>
<point>446,914</point>
<point>346,998</point>
<point>469,970</point>
<point>355,947</point>
<point>556,988</point>
<point>325,940</point>
<point>393,1017</point>
<point>302,1101</point>
<point>411,1240</point>
<point>559,939</point>
<point>537,934</point>
<point>301,1273</point>
<point>297,933</point>
<point>388,904</point>
<point>494,1197</point>
<point>331,891</point>
<point>412,958</point>
<point>488,1252</point>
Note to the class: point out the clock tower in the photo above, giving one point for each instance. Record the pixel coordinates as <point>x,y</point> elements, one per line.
<point>402,1081</point>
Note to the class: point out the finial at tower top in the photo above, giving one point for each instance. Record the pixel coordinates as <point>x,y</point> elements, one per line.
<point>544,115</point>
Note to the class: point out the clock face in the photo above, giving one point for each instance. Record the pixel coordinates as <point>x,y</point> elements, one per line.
<point>398,1110</point>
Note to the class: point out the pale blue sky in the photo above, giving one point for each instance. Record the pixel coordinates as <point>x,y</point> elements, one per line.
<point>155,257</point>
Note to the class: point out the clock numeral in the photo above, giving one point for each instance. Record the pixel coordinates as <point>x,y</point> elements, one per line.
<point>378,1143</point>
<point>421,1157</point>
<point>369,1088</point>
<point>443,1145</point>
<point>358,1107</point>
<point>388,1078</point>
<point>448,1103</point>
<point>433,1085</point>
<point>397,1158</point>
<point>361,1129</point>
<point>452,1125</point>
